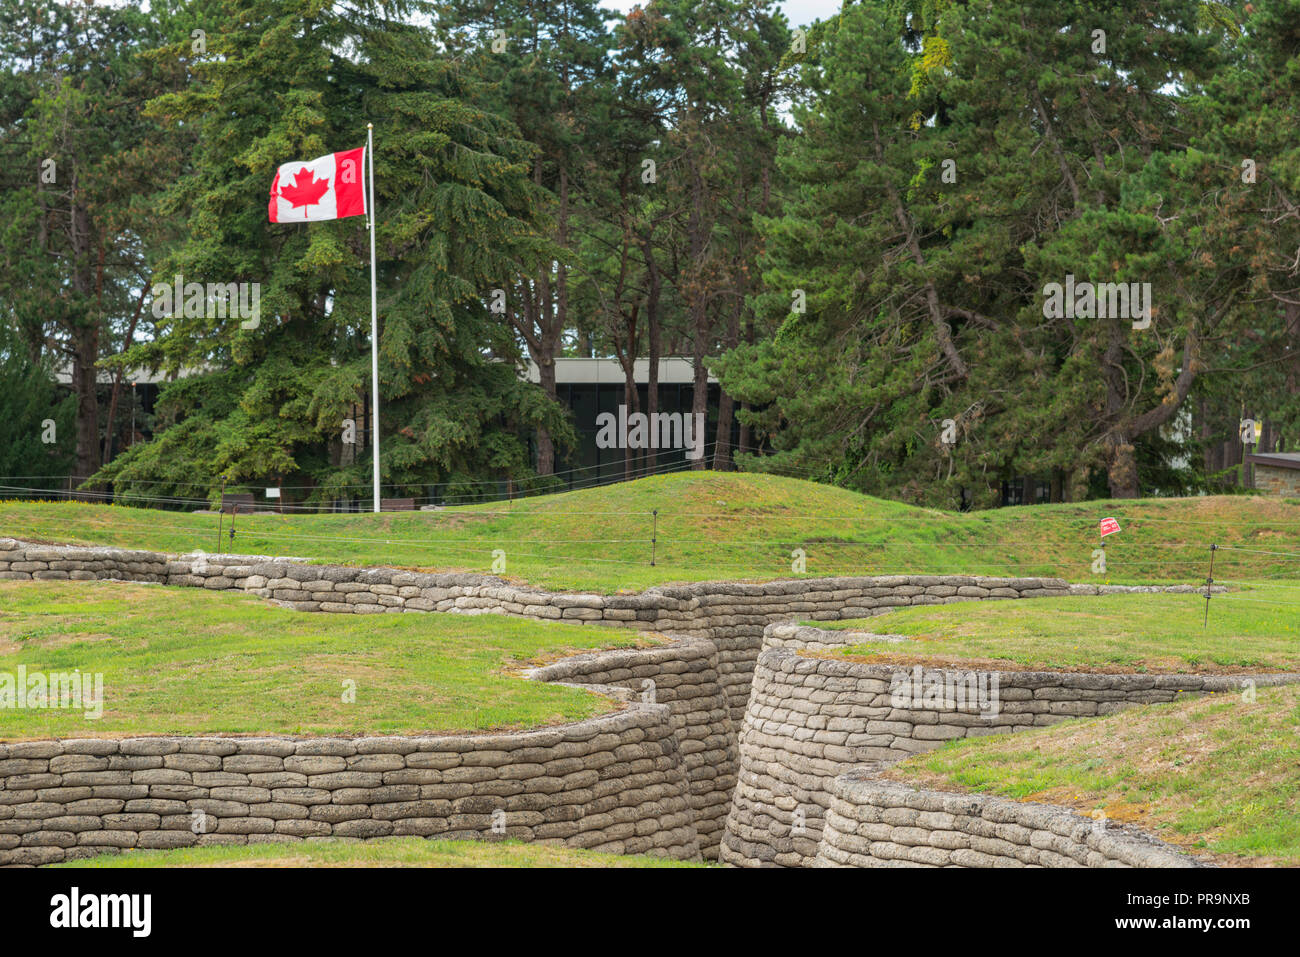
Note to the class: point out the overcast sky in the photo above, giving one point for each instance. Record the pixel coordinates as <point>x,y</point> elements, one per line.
<point>800,12</point>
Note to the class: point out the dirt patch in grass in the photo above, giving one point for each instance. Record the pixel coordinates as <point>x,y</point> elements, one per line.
<point>49,641</point>
<point>453,519</point>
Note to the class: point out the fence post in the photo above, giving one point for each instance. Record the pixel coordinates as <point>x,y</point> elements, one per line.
<point>1209,580</point>
<point>221,514</point>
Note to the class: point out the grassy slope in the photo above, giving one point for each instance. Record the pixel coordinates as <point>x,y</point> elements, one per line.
<point>725,526</point>
<point>1253,630</point>
<point>1219,773</point>
<point>386,852</point>
<point>179,660</point>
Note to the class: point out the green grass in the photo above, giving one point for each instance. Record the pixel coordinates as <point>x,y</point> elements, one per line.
<point>1254,630</point>
<point>1118,632</point>
<point>1219,774</point>
<point>725,526</point>
<point>182,660</point>
<point>385,852</point>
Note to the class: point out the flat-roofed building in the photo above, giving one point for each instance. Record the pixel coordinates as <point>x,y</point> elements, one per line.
<point>592,387</point>
<point>1276,473</point>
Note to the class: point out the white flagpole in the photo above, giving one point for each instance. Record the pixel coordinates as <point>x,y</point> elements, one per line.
<point>374,311</point>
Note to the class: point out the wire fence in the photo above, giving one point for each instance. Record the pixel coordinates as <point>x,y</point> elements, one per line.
<point>350,497</point>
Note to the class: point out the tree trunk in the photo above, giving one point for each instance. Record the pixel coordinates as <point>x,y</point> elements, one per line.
<point>726,404</point>
<point>553,329</point>
<point>85,355</point>
<point>630,398</point>
<point>1207,453</point>
<point>545,445</point>
<point>85,339</point>
<point>625,347</point>
<point>746,437</point>
<point>654,334</point>
<point>110,430</point>
<point>1121,466</point>
<point>722,446</point>
<point>698,307</point>
<point>700,382</point>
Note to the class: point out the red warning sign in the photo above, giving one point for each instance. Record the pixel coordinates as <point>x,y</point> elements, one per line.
<point>1109,526</point>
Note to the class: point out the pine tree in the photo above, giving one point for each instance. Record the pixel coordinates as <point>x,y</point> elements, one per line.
<point>545,63</point>
<point>458,217</point>
<point>77,160</point>
<point>943,182</point>
<point>1246,134</point>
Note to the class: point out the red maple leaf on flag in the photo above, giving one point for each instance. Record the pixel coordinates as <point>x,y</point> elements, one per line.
<point>305,192</point>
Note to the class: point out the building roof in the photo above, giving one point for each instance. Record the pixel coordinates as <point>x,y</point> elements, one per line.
<point>63,375</point>
<point>1277,460</point>
<point>672,370</point>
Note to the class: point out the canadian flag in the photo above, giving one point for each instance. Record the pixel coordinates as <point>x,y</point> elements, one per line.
<point>329,187</point>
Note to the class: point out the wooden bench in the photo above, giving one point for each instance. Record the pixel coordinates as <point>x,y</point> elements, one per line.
<point>244,501</point>
<point>397,505</point>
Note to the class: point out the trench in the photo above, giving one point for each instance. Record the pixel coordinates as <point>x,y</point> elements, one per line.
<point>726,778</point>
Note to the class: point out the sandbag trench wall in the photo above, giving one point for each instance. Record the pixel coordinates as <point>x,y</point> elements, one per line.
<point>611,783</point>
<point>880,823</point>
<point>811,719</point>
<point>682,676</point>
<point>730,614</point>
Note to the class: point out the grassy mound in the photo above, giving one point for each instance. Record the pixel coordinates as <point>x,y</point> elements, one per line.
<point>385,852</point>
<point>725,526</point>
<point>1254,630</point>
<point>189,661</point>
<point>1219,774</point>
